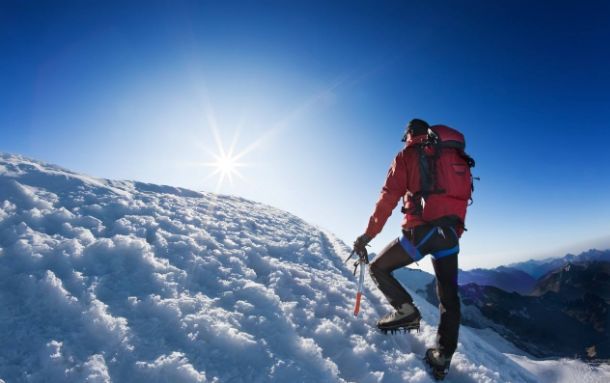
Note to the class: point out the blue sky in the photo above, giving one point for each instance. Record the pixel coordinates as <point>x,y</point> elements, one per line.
<point>318,94</point>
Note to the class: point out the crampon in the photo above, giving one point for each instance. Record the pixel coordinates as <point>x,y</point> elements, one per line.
<point>404,328</point>
<point>438,371</point>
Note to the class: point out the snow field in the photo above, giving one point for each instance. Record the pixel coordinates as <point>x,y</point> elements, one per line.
<point>122,281</point>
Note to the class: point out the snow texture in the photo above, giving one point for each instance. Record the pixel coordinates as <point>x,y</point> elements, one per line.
<point>116,281</point>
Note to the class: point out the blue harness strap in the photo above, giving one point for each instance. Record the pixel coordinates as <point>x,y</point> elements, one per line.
<point>410,249</point>
<point>414,253</point>
<point>446,252</point>
<point>426,237</point>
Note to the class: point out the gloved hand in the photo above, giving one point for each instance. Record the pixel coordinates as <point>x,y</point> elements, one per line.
<point>360,244</point>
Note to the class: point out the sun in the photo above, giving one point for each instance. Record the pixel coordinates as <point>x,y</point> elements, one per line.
<point>226,166</point>
<point>226,162</point>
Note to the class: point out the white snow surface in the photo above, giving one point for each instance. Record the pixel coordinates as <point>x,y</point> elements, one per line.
<point>116,281</point>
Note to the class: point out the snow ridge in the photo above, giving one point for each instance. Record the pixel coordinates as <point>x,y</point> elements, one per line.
<point>121,281</point>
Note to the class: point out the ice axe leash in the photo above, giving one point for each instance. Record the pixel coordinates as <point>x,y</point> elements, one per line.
<point>363,260</point>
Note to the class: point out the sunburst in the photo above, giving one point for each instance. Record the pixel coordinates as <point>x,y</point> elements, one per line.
<point>226,162</point>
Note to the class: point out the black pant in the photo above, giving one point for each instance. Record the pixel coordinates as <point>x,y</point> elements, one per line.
<point>444,243</point>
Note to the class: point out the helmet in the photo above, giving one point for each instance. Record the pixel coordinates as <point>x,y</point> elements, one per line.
<point>415,127</point>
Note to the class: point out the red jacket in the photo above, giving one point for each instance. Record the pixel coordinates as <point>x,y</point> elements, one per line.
<point>402,180</point>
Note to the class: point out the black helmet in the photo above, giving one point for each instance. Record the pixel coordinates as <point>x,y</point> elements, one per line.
<point>415,127</point>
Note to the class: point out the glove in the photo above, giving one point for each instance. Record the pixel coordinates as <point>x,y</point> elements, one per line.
<point>360,244</point>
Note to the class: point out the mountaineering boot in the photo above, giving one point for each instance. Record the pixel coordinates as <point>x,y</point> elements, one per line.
<point>406,317</point>
<point>438,363</point>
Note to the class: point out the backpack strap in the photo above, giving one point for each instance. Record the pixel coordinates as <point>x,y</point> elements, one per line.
<point>427,169</point>
<point>427,176</point>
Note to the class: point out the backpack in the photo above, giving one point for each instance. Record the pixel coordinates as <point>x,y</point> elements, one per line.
<point>445,176</point>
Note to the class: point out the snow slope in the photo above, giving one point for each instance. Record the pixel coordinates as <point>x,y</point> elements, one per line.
<point>121,281</point>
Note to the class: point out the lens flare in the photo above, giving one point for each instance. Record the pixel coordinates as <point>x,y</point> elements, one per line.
<point>226,166</point>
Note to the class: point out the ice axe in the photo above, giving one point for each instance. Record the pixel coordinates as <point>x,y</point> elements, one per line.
<point>363,260</point>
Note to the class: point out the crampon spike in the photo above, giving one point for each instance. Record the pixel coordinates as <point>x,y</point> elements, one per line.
<point>401,329</point>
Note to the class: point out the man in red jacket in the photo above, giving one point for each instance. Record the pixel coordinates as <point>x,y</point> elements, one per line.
<point>438,235</point>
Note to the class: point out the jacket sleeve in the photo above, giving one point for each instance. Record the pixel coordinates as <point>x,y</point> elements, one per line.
<point>394,188</point>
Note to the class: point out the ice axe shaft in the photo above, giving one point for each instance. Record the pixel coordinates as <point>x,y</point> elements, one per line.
<point>360,288</point>
<point>357,306</point>
<point>363,260</point>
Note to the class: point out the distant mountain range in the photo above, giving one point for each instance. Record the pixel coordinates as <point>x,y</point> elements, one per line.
<point>506,278</point>
<point>522,277</point>
<point>568,316</point>
<point>538,268</point>
<point>549,308</point>
<point>572,281</point>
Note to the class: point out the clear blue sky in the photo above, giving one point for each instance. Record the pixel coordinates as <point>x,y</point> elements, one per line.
<point>131,90</point>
